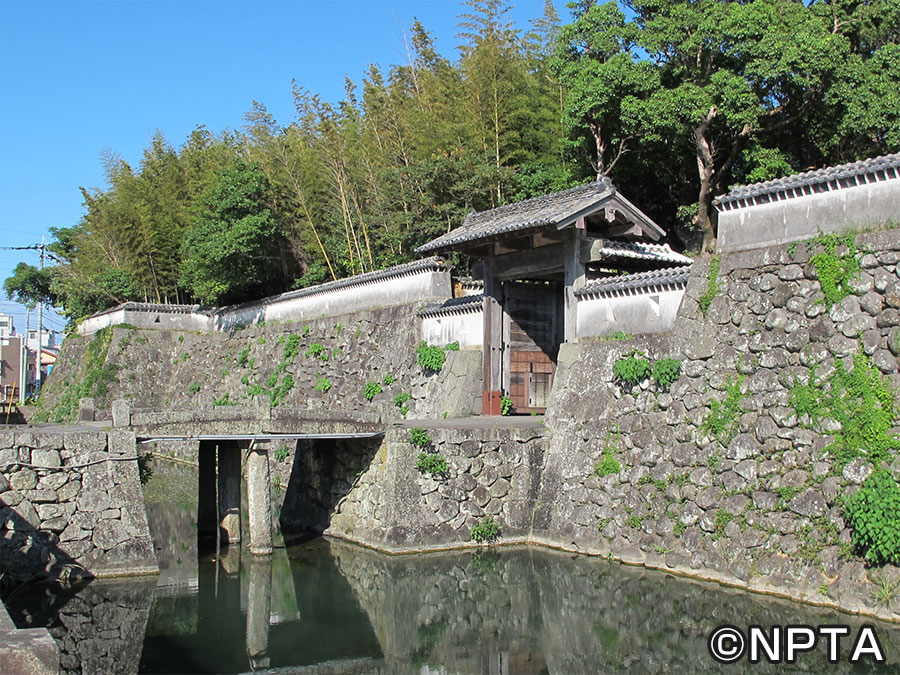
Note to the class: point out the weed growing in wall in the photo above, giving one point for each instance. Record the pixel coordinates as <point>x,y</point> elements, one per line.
<point>243,357</point>
<point>506,405</point>
<point>834,271</point>
<point>224,401</point>
<point>419,437</point>
<point>194,388</point>
<point>485,530</point>
<point>280,392</point>
<point>315,350</point>
<point>666,372</point>
<point>632,369</point>
<point>323,384</point>
<point>388,380</point>
<point>291,346</point>
<point>452,347</point>
<point>874,514</point>
<point>371,390</point>
<point>609,463</point>
<point>432,463</point>
<point>861,400</point>
<point>430,357</point>
<point>400,401</point>
<point>713,287</point>
<point>722,419</point>
<point>281,453</point>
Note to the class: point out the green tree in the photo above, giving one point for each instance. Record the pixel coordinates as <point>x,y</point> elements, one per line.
<point>232,246</point>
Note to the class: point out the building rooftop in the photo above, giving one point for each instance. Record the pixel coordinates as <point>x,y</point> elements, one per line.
<point>670,278</point>
<point>558,210</point>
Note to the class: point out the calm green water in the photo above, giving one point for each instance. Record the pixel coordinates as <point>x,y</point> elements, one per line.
<point>321,606</point>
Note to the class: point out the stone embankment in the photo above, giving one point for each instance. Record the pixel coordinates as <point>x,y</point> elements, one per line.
<point>71,505</point>
<point>323,366</point>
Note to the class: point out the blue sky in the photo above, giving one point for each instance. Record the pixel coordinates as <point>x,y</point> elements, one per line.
<point>80,77</point>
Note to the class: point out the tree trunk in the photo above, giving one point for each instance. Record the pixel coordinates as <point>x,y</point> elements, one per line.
<point>706,169</point>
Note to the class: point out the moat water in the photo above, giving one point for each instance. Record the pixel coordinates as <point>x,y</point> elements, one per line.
<point>323,606</point>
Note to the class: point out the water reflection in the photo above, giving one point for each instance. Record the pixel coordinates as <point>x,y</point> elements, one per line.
<point>329,607</point>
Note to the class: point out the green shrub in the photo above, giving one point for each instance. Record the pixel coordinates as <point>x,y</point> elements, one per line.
<point>281,453</point>
<point>306,331</point>
<point>506,405</point>
<point>418,436</point>
<point>722,419</point>
<point>431,462</point>
<point>262,340</point>
<point>712,287</point>
<point>485,530</point>
<point>452,347</point>
<point>666,371</point>
<point>371,390</point>
<point>388,380</point>
<point>874,514</point>
<point>430,357</point>
<point>315,350</point>
<point>273,379</point>
<point>632,369</point>
<point>323,384</point>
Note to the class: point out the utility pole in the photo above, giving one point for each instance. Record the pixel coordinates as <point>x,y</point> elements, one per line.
<point>23,358</point>
<point>40,333</point>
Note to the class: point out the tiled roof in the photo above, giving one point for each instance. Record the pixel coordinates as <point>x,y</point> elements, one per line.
<point>670,278</point>
<point>872,170</point>
<point>642,251</point>
<point>462,305</point>
<point>530,214</point>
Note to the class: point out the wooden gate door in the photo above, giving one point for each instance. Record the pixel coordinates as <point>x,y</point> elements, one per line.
<point>531,340</point>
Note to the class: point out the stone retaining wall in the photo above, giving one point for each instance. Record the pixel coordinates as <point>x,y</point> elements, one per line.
<point>178,371</point>
<point>71,505</point>
<point>372,492</point>
<point>761,509</point>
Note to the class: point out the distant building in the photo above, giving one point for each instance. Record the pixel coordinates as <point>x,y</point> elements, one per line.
<point>11,368</point>
<point>7,326</point>
<point>49,338</point>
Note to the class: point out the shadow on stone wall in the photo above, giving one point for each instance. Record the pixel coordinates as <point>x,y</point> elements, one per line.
<point>323,473</point>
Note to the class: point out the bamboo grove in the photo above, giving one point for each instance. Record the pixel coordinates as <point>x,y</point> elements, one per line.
<point>676,101</point>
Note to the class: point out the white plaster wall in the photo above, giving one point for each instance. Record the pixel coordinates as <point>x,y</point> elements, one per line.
<point>466,328</point>
<point>634,314</point>
<point>94,323</point>
<point>424,286</point>
<point>801,218</point>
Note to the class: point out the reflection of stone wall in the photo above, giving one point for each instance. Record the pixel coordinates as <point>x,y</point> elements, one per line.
<point>527,608</point>
<point>72,503</point>
<point>101,630</point>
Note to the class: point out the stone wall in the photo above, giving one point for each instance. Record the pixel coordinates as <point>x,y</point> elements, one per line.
<point>371,492</point>
<point>71,505</point>
<point>761,509</point>
<point>177,370</point>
